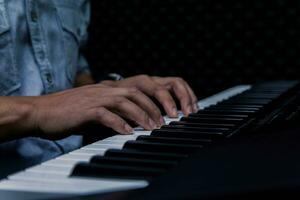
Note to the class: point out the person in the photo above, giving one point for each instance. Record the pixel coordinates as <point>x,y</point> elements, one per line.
<point>47,91</point>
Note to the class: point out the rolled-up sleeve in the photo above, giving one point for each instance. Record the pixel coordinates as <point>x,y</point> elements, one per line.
<point>83,66</point>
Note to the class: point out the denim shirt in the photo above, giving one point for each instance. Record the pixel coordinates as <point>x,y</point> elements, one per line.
<point>40,42</point>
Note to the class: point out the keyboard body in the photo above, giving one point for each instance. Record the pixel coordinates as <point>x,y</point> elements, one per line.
<point>250,113</point>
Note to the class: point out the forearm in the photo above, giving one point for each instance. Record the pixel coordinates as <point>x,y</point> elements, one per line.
<point>16,117</point>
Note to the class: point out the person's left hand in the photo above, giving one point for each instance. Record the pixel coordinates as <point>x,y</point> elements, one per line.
<point>161,89</point>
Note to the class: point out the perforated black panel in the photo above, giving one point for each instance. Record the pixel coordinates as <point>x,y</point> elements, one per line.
<point>211,43</point>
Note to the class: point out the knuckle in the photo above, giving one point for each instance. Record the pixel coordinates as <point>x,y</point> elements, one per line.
<point>143,76</point>
<point>116,121</point>
<point>159,90</point>
<point>160,87</point>
<point>119,100</point>
<point>179,79</point>
<point>133,90</point>
<point>122,124</point>
<point>184,100</point>
<point>145,117</point>
<point>157,94</point>
<point>100,113</point>
<point>182,97</point>
<point>122,89</point>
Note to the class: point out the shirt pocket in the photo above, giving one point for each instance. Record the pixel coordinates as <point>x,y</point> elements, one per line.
<point>70,19</point>
<point>9,76</point>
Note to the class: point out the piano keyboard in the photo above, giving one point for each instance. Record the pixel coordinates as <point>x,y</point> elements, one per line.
<point>123,162</point>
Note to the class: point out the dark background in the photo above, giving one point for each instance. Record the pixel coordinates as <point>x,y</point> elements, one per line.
<point>212,44</point>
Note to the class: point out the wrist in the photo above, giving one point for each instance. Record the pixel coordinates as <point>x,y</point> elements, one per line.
<point>16,117</point>
<point>27,116</point>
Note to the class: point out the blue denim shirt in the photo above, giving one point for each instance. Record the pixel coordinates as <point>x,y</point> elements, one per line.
<point>40,43</point>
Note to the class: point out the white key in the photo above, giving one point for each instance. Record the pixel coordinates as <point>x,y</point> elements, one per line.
<point>71,185</point>
<point>77,157</point>
<point>122,137</point>
<point>106,142</point>
<point>169,120</point>
<point>35,175</point>
<point>106,146</point>
<point>137,133</point>
<point>89,151</point>
<point>51,169</point>
<point>43,177</point>
<point>60,162</point>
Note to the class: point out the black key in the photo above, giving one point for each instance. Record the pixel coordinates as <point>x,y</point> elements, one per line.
<point>212,120</point>
<point>204,125</point>
<point>227,111</point>
<point>198,129</point>
<point>127,153</point>
<point>169,140</point>
<point>254,98</point>
<point>275,94</point>
<point>258,95</point>
<point>112,171</point>
<point>269,90</point>
<point>187,134</point>
<point>220,105</point>
<point>200,115</point>
<point>133,162</point>
<point>161,147</point>
<point>232,108</point>
<point>247,102</point>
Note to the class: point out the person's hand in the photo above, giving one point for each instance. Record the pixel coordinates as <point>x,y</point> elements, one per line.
<point>61,112</point>
<point>161,89</point>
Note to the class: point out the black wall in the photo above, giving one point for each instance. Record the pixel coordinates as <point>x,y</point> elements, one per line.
<point>213,44</point>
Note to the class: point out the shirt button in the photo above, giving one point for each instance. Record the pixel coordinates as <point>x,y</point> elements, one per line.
<point>49,78</point>
<point>42,55</point>
<point>34,16</point>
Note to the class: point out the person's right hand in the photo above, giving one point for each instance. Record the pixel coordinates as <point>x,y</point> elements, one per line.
<point>55,114</point>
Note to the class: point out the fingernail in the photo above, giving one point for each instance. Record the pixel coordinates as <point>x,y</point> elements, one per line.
<point>128,129</point>
<point>174,112</point>
<point>195,106</point>
<point>190,109</point>
<point>162,121</point>
<point>152,124</point>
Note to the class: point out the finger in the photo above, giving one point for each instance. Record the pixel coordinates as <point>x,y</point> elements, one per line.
<point>180,90</point>
<point>142,101</point>
<point>113,121</point>
<point>193,97</point>
<point>131,111</point>
<point>163,96</point>
<point>166,100</point>
<point>147,105</point>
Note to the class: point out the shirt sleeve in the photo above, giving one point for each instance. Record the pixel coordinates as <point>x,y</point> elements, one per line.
<point>83,66</point>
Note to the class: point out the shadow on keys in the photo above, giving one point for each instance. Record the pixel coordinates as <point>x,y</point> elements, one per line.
<point>91,132</point>
<point>266,165</point>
